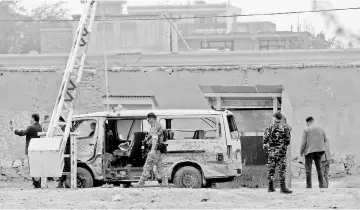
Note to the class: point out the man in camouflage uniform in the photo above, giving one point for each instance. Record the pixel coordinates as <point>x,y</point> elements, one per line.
<point>284,122</point>
<point>154,156</point>
<point>275,142</point>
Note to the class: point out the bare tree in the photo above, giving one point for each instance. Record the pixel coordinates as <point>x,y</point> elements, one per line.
<point>335,43</point>
<point>54,11</point>
<point>20,36</point>
<point>11,34</point>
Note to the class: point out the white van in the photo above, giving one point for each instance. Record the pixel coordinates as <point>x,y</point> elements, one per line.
<point>203,147</point>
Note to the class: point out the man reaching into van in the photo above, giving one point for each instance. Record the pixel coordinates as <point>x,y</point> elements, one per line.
<point>154,155</point>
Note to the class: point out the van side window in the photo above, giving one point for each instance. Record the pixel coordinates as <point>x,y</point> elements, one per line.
<point>195,128</point>
<point>87,136</point>
<point>146,126</point>
<point>126,128</point>
<point>85,128</point>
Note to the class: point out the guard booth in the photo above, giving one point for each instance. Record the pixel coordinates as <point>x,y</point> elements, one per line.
<point>253,108</point>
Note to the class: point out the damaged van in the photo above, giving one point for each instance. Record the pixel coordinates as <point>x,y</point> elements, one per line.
<point>203,147</point>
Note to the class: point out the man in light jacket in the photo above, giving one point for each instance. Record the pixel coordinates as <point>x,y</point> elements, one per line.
<point>325,162</point>
<point>313,147</point>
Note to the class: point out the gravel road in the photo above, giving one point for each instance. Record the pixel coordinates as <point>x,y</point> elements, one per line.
<point>22,196</point>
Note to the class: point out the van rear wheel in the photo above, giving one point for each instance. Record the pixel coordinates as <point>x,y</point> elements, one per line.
<point>188,177</point>
<point>84,179</point>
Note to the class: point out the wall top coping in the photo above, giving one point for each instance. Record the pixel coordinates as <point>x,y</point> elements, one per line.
<point>279,52</point>
<point>283,59</point>
<point>171,69</point>
<point>55,29</point>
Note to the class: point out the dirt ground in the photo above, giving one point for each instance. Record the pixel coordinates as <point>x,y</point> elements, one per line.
<point>341,194</point>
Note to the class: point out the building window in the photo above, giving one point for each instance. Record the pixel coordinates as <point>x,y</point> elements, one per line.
<point>220,45</point>
<point>272,44</point>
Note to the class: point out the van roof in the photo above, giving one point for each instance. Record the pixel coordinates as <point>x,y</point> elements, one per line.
<point>158,112</point>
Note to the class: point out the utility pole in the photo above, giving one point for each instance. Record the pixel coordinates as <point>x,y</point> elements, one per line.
<point>298,23</point>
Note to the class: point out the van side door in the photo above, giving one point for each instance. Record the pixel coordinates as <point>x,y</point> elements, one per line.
<point>199,139</point>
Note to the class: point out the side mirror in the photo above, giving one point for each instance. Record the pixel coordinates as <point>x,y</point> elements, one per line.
<point>121,137</point>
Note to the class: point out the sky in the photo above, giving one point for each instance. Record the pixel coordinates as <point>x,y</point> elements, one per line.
<point>283,22</point>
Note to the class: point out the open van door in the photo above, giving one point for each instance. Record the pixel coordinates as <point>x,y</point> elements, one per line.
<point>286,109</point>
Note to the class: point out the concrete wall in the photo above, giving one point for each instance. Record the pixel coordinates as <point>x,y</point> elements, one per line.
<point>329,94</point>
<point>22,93</point>
<point>327,90</point>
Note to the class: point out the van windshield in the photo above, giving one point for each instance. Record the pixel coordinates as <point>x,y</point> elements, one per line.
<point>233,127</point>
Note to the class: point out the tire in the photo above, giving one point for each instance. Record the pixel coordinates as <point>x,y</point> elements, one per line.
<point>127,185</point>
<point>84,179</point>
<point>188,177</point>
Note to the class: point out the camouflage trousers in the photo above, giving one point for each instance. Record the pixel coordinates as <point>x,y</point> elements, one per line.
<point>273,161</point>
<point>151,161</point>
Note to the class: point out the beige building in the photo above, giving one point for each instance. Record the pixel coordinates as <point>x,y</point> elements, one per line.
<point>208,23</point>
<point>253,27</point>
<point>144,29</point>
<point>240,41</point>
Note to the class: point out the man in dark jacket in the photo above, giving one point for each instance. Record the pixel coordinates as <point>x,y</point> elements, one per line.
<point>30,132</point>
<point>313,147</point>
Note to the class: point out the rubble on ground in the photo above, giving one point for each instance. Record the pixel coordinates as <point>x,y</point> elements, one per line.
<point>341,165</point>
<point>14,171</point>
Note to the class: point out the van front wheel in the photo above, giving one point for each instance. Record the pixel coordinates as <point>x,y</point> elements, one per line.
<point>188,177</point>
<point>84,179</point>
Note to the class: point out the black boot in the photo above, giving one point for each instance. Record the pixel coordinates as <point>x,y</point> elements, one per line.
<point>36,183</point>
<point>60,184</point>
<point>271,187</point>
<point>284,190</point>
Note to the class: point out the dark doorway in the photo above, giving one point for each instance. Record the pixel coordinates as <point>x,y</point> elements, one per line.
<point>252,124</point>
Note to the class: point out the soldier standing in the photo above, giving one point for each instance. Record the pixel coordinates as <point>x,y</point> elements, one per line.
<point>154,155</point>
<point>275,142</point>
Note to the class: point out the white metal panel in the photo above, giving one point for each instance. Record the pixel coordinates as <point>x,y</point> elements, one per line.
<point>47,144</point>
<point>45,157</point>
<point>252,133</point>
